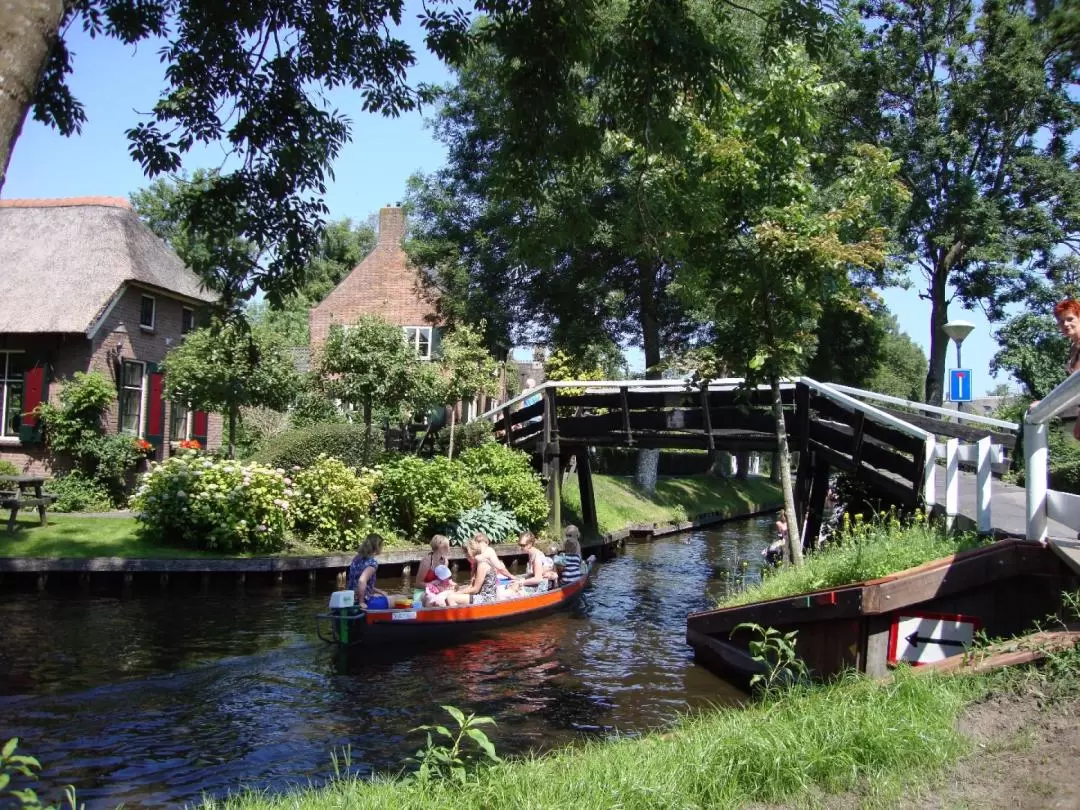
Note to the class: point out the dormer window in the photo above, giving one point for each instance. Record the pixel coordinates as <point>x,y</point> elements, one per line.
<point>419,337</point>
<point>147,312</point>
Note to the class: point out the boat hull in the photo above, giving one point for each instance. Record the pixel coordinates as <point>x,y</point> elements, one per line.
<point>427,625</point>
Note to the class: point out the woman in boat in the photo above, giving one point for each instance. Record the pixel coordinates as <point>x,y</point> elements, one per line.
<point>539,568</point>
<point>362,575</point>
<point>440,555</point>
<point>484,587</point>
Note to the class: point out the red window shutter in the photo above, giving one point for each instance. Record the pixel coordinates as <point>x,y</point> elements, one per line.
<point>200,421</point>
<point>35,391</point>
<point>155,407</point>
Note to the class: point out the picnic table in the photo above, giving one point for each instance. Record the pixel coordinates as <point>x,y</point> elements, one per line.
<point>18,491</point>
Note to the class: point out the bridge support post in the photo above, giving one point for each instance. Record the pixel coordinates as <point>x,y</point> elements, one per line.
<point>1036,468</point>
<point>819,489</point>
<point>554,494</point>
<point>588,497</point>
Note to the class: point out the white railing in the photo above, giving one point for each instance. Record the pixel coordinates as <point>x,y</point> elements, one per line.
<point>960,416</point>
<point>1044,503</point>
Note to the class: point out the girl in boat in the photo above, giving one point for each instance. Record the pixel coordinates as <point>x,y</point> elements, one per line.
<point>425,572</point>
<point>362,575</point>
<point>572,567</point>
<point>484,587</point>
<point>539,568</point>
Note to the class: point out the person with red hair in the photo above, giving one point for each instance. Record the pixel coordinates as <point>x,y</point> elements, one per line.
<point>1067,315</point>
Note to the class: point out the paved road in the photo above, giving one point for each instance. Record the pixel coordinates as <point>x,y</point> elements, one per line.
<point>1007,505</point>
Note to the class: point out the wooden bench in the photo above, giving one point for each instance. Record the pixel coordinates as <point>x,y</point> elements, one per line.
<point>14,502</point>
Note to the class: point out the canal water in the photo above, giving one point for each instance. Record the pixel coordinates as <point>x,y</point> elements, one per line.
<point>155,700</point>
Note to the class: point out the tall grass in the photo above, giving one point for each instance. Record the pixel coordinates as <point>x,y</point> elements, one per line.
<point>861,551</point>
<point>810,740</point>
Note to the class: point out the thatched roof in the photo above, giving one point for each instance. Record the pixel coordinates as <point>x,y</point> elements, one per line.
<point>63,261</point>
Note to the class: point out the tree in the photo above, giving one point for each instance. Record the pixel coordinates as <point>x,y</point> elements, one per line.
<point>975,99</point>
<point>901,368</point>
<point>229,366</point>
<point>467,369</point>
<point>368,366</point>
<point>764,246</point>
<point>1033,351</point>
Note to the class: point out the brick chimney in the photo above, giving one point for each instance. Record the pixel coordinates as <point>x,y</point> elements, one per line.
<point>391,227</point>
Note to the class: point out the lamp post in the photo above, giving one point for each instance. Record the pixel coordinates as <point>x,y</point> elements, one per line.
<point>957,331</point>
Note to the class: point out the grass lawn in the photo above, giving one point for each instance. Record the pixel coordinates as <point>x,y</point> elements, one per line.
<point>619,503</point>
<point>83,537</point>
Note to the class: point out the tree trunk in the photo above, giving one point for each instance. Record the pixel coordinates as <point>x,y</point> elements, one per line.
<point>367,431</point>
<point>28,29</point>
<point>648,460</point>
<point>939,341</point>
<point>453,419</point>
<point>794,535</point>
<point>233,412</point>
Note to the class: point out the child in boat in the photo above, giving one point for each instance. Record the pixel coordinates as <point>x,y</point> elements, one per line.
<point>539,568</point>
<point>571,566</point>
<point>435,592</point>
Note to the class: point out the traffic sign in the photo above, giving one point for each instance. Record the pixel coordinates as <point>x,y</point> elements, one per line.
<point>959,385</point>
<point>921,638</point>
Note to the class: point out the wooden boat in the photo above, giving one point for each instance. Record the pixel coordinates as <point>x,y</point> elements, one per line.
<point>350,626</point>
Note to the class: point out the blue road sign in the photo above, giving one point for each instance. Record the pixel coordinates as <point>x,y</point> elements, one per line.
<point>959,385</point>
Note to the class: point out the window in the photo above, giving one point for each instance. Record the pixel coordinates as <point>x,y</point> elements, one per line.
<point>146,312</point>
<point>419,337</point>
<point>12,365</point>
<point>132,381</point>
<point>187,320</point>
<point>180,428</point>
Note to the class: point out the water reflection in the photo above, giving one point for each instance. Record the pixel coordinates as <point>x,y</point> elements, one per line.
<point>153,700</point>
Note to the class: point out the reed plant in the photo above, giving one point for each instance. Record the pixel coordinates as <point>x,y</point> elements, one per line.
<point>861,550</point>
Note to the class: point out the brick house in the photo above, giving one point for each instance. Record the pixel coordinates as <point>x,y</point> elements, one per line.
<point>383,284</point>
<point>86,286</point>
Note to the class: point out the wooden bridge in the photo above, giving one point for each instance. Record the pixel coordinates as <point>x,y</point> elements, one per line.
<point>892,450</point>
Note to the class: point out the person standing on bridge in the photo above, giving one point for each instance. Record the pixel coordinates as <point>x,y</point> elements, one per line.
<point>1067,315</point>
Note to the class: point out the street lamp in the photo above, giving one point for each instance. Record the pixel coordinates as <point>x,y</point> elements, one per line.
<point>957,331</point>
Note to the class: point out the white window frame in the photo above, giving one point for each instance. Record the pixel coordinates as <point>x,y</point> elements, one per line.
<point>414,341</point>
<point>183,315</point>
<point>140,421</point>
<point>5,364</point>
<point>188,422</point>
<point>153,312</point>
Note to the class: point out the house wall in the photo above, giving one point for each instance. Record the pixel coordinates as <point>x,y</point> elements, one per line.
<point>118,337</point>
<point>383,284</point>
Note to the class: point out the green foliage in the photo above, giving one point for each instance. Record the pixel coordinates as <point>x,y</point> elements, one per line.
<point>419,498</point>
<point>221,505</point>
<point>7,468</point>
<point>331,504</point>
<point>506,477</point>
<point>1033,351</point>
<point>457,762</point>
<point>354,445</point>
<point>466,370</point>
<point>79,492</point>
<point>499,524</point>
<point>75,425</point>
<point>472,434</point>
<point>776,652</point>
<point>367,366</point>
<point>228,366</point>
<point>25,766</point>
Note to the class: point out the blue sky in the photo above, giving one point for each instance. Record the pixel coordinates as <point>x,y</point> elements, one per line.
<point>117,83</point>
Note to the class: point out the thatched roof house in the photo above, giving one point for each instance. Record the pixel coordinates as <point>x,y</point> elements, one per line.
<point>86,286</point>
<point>63,262</point>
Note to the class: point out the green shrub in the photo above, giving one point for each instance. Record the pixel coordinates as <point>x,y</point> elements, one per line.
<point>497,523</point>
<point>78,492</point>
<point>471,434</point>
<point>506,477</point>
<point>418,497</point>
<point>332,504</point>
<point>345,441</point>
<point>217,504</point>
<point>7,468</point>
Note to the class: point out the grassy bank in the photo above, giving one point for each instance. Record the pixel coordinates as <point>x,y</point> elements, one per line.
<point>865,552</point>
<point>853,735</point>
<point>619,503</point>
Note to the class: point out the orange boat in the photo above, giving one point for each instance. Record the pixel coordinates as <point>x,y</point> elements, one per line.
<point>353,625</point>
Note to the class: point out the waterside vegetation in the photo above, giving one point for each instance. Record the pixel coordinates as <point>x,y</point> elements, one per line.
<point>859,552</point>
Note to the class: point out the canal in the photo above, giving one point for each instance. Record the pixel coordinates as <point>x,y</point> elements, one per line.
<point>154,700</point>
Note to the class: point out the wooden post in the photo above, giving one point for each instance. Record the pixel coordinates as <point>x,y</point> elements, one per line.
<point>706,417</point>
<point>819,489</point>
<point>1036,466</point>
<point>588,497</point>
<point>506,424</point>
<point>554,493</point>
<point>982,484</point>
<point>626,416</point>
<point>952,482</point>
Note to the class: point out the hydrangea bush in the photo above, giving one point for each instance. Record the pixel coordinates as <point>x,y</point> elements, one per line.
<point>419,498</point>
<point>332,504</point>
<point>507,479</point>
<point>216,504</point>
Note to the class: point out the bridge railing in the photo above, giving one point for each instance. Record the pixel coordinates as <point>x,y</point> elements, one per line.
<point>1043,503</point>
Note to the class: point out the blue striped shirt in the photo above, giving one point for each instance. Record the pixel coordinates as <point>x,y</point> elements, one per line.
<point>572,568</point>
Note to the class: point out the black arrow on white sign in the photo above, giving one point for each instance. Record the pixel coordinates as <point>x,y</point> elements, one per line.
<point>915,638</point>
